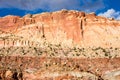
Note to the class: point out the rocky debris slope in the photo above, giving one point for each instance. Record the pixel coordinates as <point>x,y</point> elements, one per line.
<point>47,68</point>
<point>61,45</point>
<point>58,63</point>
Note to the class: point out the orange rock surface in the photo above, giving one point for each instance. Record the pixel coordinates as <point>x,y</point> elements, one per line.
<point>65,27</point>
<point>33,47</point>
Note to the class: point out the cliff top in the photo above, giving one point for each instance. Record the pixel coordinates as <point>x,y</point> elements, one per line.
<point>64,27</point>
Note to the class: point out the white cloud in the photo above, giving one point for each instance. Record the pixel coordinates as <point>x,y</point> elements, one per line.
<point>111,13</point>
<point>52,5</point>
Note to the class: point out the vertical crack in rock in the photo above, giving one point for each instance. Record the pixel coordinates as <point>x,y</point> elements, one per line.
<point>4,41</point>
<point>81,27</point>
<point>52,26</point>
<point>43,33</point>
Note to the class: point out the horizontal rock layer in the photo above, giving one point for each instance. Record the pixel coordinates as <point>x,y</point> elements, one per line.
<point>46,67</point>
<point>59,45</point>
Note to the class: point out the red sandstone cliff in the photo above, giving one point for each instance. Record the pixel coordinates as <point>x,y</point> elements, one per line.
<point>65,27</point>
<point>27,60</point>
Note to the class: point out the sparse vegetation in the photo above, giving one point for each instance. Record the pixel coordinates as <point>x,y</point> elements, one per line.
<point>58,51</point>
<point>55,51</point>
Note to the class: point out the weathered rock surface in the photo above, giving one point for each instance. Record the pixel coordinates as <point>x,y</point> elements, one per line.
<point>57,63</point>
<point>112,75</point>
<point>59,45</point>
<point>32,68</point>
<point>65,27</point>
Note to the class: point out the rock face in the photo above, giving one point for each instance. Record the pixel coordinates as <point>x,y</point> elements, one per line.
<point>64,27</point>
<point>62,45</point>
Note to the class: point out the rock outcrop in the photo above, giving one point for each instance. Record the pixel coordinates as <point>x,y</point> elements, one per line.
<point>59,45</point>
<point>65,27</point>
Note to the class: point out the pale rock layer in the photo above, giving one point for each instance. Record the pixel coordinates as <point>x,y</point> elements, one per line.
<point>64,27</point>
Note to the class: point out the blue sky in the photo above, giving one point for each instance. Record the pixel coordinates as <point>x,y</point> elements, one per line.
<point>107,8</point>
